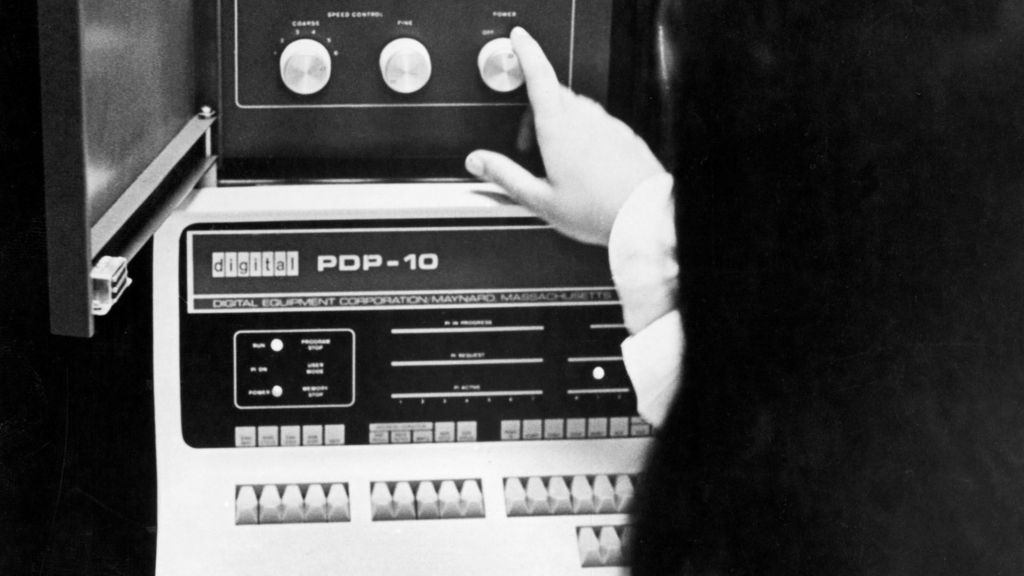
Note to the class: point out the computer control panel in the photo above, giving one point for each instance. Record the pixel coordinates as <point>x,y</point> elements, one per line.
<point>388,379</point>
<point>399,331</point>
<point>363,362</point>
<point>342,79</point>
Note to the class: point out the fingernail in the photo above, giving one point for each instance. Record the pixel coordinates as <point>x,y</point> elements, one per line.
<point>474,165</point>
<point>519,31</point>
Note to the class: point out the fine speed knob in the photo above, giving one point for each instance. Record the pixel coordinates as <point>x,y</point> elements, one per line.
<point>305,66</point>
<point>499,66</point>
<point>405,65</point>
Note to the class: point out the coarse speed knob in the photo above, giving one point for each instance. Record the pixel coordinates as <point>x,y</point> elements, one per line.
<point>405,65</point>
<point>305,66</point>
<point>499,66</point>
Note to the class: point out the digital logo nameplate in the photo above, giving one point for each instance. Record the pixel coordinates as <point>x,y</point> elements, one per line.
<point>392,268</point>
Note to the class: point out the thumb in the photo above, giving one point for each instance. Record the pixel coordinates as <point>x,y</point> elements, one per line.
<point>520,184</point>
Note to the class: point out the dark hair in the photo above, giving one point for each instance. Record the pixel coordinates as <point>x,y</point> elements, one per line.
<point>850,216</point>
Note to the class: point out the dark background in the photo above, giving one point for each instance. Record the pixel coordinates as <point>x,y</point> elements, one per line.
<point>931,305</point>
<point>77,468</point>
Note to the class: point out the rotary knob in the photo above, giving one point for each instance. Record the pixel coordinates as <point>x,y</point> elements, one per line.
<point>405,65</point>
<point>305,66</point>
<point>499,66</point>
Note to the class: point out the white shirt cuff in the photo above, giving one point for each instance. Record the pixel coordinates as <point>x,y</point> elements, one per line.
<point>654,361</point>
<point>642,253</point>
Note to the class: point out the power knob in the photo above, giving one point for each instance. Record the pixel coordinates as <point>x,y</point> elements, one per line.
<point>499,66</point>
<point>405,65</point>
<point>305,66</point>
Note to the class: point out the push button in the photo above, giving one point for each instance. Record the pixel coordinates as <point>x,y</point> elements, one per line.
<point>515,498</point>
<point>618,427</point>
<point>558,496</point>
<point>334,434</point>
<point>554,429</point>
<point>623,493</point>
<point>472,500</point>
<point>380,500</point>
<point>467,431</point>
<point>610,546</point>
<point>267,436</point>
<point>537,497</point>
<point>589,548</point>
<point>444,432</point>
<point>292,505</point>
<point>291,436</point>
<point>315,504</point>
<point>245,436</point>
<point>582,496</point>
<point>313,435</point>
<point>638,427</point>
<point>576,428</point>
<point>604,495</point>
<point>448,497</point>
<point>597,427</point>
<point>246,506</point>
<point>337,504</point>
<point>271,509</point>
<point>626,537</point>
<point>404,502</point>
<point>511,429</point>
<point>426,501</point>
<point>533,429</point>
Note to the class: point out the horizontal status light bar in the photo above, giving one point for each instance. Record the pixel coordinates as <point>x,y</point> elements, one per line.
<point>481,362</point>
<point>579,391</point>
<point>607,326</point>
<point>467,330</point>
<point>418,395</point>
<point>586,359</point>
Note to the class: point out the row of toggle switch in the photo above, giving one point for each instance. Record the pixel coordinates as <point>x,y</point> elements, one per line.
<point>427,500</point>
<point>603,545</point>
<point>291,504</point>
<point>556,495</point>
<point>405,66</point>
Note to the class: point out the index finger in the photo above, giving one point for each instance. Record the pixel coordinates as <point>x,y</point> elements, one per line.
<point>541,81</point>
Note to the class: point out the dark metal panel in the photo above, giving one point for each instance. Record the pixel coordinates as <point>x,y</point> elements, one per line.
<point>118,85</point>
<point>67,226</point>
<point>137,71</point>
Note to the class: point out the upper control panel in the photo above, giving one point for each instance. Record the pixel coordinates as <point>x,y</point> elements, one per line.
<point>352,80</point>
<point>404,65</point>
<point>337,54</point>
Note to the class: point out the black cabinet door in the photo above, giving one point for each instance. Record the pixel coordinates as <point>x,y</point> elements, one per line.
<point>120,118</point>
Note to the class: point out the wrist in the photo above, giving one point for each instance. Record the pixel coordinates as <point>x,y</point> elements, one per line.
<point>642,253</point>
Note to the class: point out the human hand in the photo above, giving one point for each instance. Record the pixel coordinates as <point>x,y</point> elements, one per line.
<point>593,161</point>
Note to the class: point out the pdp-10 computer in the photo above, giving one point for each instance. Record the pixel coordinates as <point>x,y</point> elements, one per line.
<point>387,377</point>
